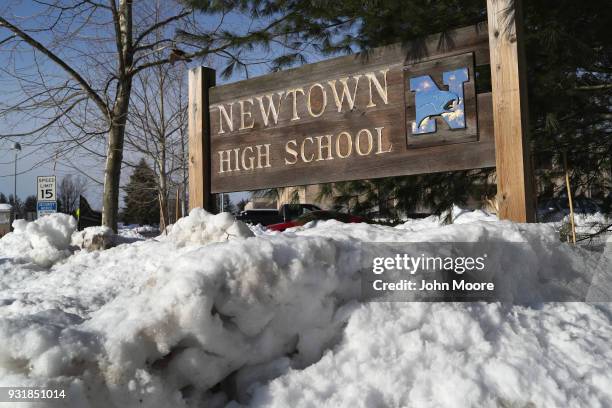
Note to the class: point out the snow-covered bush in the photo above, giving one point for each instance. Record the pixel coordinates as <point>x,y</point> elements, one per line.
<point>201,227</point>
<point>43,241</point>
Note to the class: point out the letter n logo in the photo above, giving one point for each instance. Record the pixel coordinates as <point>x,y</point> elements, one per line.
<point>440,100</point>
<point>431,101</point>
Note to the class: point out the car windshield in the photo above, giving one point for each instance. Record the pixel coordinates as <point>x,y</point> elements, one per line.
<point>586,206</point>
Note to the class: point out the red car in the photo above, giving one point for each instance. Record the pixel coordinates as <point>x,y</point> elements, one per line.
<point>316,215</point>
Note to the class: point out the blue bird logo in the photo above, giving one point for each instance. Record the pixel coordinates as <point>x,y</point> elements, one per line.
<point>434,103</point>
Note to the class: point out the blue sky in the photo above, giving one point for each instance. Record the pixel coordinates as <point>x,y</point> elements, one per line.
<point>37,160</point>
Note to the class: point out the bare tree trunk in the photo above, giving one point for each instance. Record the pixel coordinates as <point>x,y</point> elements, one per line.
<point>122,18</point>
<point>163,213</point>
<point>163,176</point>
<point>114,157</point>
<point>112,175</point>
<point>163,191</point>
<point>184,162</point>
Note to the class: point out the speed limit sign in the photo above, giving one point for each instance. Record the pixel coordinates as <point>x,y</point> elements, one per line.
<point>46,188</point>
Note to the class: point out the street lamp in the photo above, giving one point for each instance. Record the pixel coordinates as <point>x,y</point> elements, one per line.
<point>17,149</point>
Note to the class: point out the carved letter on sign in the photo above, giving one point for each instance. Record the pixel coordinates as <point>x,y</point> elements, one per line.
<point>441,114</point>
<point>431,101</point>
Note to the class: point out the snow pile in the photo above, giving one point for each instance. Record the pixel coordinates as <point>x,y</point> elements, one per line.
<point>589,223</point>
<point>158,338</point>
<point>259,230</point>
<point>205,317</point>
<point>457,216</point>
<point>42,242</point>
<point>93,238</point>
<point>135,232</point>
<point>457,355</point>
<point>201,227</point>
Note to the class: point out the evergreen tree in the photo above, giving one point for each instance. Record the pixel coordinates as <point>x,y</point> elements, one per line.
<point>569,56</point>
<point>3,199</point>
<point>141,199</point>
<point>29,205</point>
<point>241,204</point>
<point>569,61</point>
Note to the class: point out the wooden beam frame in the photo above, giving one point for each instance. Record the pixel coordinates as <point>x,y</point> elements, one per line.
<point>201,79</point>
<point>515,194</point>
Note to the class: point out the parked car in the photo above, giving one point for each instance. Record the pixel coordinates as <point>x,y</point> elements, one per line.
<point>316,215</point>
<point>286,213</point>
<point>555,209</point>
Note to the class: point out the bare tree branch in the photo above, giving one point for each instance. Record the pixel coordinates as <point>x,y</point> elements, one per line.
<point>74,74</point>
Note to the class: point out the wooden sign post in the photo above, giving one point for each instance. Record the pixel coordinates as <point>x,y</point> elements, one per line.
<point>513,166</point>
<point>200,80</point>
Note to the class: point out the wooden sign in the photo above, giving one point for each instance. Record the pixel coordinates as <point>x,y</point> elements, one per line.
<point>352,118</point>
<point>389,112</point>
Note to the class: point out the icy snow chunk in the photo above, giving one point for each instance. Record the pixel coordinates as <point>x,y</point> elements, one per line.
<point>457,215</point>
<point>463,216</point>
<point>249,378</point>
<point>45,344</point>
<point>43,242</point>
<point>93,238</point>
<point>134,232</point>
<point>260,230</point>
<point>420,224</point>
<point>201,227</point>
<point>588,223</point>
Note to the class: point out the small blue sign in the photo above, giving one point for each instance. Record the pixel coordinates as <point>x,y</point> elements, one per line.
<point>46,207</point>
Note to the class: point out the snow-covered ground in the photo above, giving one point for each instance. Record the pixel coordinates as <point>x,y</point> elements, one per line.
<point>133,232</point>
<point>217,314</point>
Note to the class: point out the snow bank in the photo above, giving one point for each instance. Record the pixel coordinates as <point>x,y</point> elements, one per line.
<point>42,242</point>
<point>589,223</point>
<point>457,355</point>
<point>457,215</point>
<point>201,227</point>
<point>135,232</point>
<point>205,317</point>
